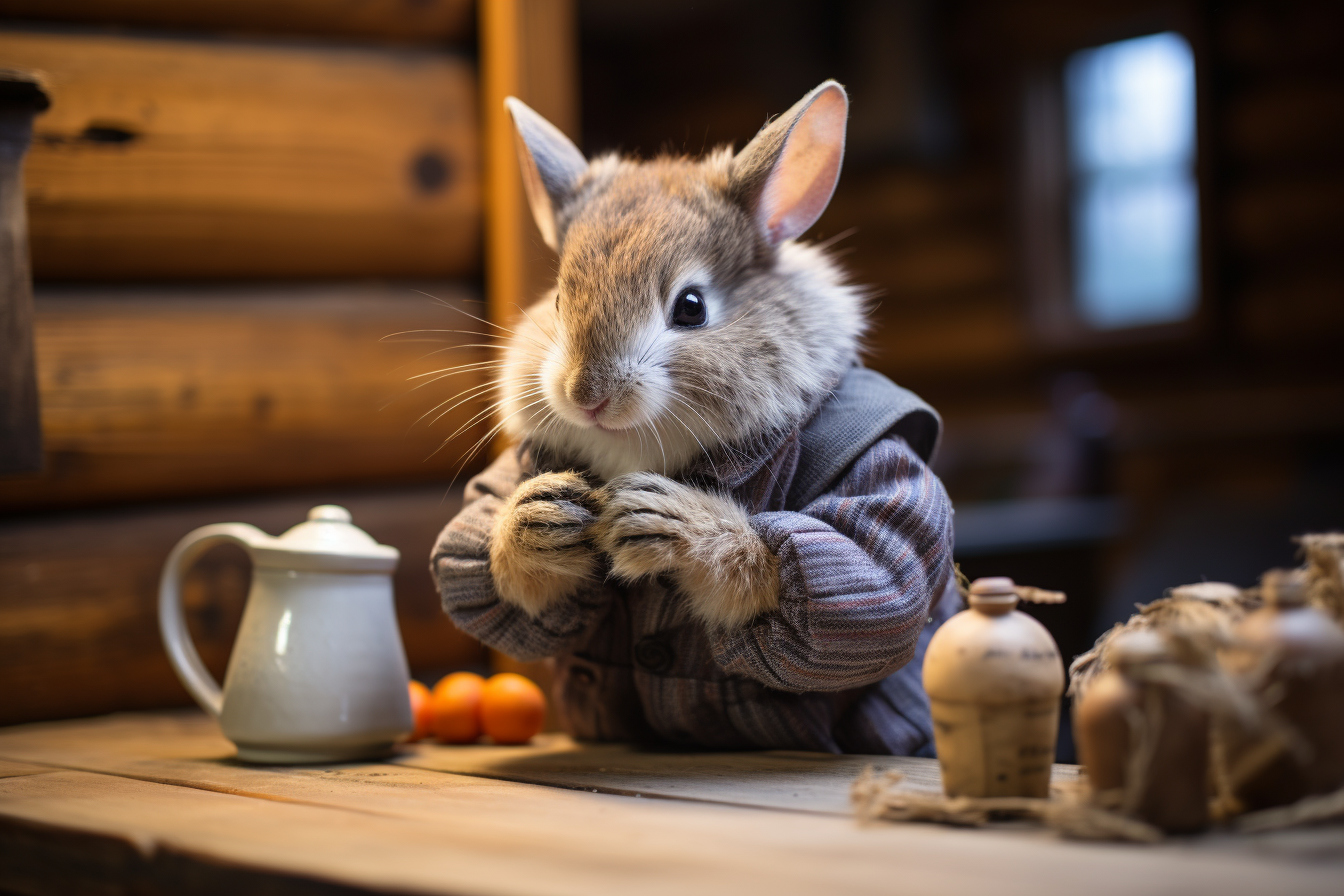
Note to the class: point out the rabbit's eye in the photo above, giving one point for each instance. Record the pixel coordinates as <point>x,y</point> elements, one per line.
<point>689,308</point>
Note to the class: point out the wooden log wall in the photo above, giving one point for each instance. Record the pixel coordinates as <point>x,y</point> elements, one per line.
<point>231,205</point>
<point>166,158</point>
<point>419,21</point>
<point>154,393</point>
<point>1281,73</point>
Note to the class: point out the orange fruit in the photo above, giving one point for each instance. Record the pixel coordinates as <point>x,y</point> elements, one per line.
<point>456,702</point>
<point>422,711</point>
<point>512,708</point>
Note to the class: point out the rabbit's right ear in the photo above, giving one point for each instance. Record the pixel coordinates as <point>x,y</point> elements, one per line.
<point>785,176</point>
<point>551,166</point>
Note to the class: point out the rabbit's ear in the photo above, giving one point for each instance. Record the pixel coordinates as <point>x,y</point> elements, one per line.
<point>785,176</point>
<point>551,166</point>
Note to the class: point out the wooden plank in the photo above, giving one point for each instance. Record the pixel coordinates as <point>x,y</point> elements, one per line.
<point>776,779</point>
<point>986,334</point>
<point>1288,123</point>
<point>1224,415</point>
<point>1297,308</point>
<point>420,21</point>
<point>10,769</point>
<point>78,622</point>
<point>174,159</point>
<point>781,780</point>
<point>1256,38</point>
<point>170,747</point>
<point>171,393</point>
<point>485,838</point>
<point>42,860</point>
<point>385,827</point>
<point>21,97</point>
<point>1286,219</point>
<point>928,268</point>
<point>529,49</point>
<point>181,748</point>
<point>911,199</point>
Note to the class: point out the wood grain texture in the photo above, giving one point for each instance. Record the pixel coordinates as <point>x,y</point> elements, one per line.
<point>782,780</point>
<point>174,158</point>
<point>163,786</point>
<point>421,21</point>
<point>152,393</point>
<point>10,769</point>
<point>79,631</point>
<point>183,749</point>
<point>529,49</point>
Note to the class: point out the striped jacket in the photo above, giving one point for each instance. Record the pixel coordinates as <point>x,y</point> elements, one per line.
<point>866,576</point>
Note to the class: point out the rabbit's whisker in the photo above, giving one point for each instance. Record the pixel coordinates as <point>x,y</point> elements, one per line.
<point>451,306</point>
<point>540,329</point>
<point>485,439</point>
<point>717,438</point>
<point>468,394</point>
<point>703,450</point>
<point>443,372</point>
<point>490,409</point>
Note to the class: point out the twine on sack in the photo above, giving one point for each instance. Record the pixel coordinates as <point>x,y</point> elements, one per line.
<point>880,797</point>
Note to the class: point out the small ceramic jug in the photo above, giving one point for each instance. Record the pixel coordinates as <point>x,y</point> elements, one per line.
<point>318,672</point>
<point>994,678</point>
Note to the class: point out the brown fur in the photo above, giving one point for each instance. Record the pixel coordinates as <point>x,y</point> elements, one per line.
<point>539,552</point>
<point>651,524</point>
<point>783,326</point>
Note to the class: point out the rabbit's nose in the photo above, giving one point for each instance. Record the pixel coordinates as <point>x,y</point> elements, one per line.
<point>586,390</point>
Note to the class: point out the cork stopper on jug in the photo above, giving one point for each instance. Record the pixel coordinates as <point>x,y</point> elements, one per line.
<point>993,596</point>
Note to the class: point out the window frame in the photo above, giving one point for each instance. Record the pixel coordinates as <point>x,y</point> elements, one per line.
<point>1046,181</point>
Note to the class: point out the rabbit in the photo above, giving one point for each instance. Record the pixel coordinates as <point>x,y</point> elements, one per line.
<point>693,368</point>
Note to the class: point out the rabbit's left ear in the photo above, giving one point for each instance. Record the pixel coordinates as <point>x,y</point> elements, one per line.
<point>785,176</point>
<point>551,166</point>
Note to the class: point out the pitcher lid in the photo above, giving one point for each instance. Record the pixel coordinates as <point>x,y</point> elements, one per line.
<point>327,542</point>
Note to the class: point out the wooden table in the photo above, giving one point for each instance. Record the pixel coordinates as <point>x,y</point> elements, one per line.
<point>154,803</point>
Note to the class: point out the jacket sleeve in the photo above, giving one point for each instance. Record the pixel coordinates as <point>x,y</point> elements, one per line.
<point>460,564</point>
<point>859,569</point>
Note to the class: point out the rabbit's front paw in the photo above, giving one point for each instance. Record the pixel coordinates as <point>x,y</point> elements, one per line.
<point>644,527</point>
<point>650,524</point>
<point>540,550</point>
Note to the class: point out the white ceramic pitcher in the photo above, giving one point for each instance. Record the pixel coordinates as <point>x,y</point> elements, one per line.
<point>318,672</point>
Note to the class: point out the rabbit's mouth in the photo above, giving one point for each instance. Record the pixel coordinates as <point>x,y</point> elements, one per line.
<point>616,429</point>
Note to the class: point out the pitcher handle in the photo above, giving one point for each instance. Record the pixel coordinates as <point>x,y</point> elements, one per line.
<point>173,624</point>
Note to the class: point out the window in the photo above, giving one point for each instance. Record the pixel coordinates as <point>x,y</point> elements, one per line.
<point>1133,202</point>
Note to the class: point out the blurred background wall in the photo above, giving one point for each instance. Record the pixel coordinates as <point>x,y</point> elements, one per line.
<point>1106,240</point>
